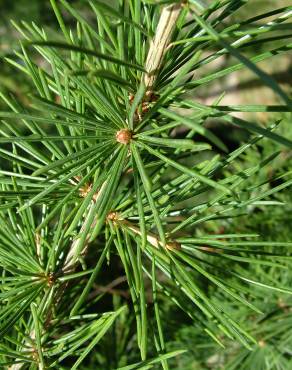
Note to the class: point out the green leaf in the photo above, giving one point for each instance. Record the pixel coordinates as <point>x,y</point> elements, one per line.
<point>191,172</point>
<point>104,328</point>
<point>147,186</point>
<point>104,74</point>
<point>85,51</point>
<point>174,143</point>
<point>147,363</point>
<point>191,123</point>
<point>19,310</point>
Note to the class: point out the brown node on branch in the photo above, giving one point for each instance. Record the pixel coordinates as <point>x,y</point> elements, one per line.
<point>261,343</point>
<point>173,245</point>
<point>145,105</point>
<point>51,279</point>
<point>131,98</point>
<point>124,136</point>
<point>85,189</point>
<point>113,216</point>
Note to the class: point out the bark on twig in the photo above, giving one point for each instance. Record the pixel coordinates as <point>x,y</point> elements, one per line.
<point>151,237</point>
<point>159,44</point>
<point>72,256</point>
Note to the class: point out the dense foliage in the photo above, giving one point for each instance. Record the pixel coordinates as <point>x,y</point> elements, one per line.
<point>142,227</point>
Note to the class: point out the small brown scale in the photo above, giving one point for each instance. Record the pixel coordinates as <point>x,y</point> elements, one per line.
<point>124,136</point>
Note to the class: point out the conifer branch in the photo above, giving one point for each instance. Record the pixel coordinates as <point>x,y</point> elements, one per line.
<point>69,266</point>
<point>91,174</point>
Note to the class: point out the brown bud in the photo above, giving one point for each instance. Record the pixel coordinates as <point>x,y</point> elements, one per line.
<point>124,136</point>
<point>51,279</point>
<point>112,216</point>
<point>84,190</point>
